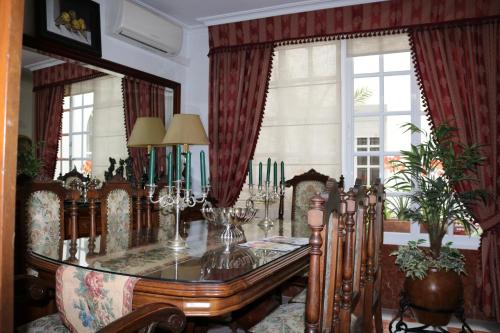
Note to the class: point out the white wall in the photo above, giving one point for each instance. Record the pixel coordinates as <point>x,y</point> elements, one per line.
<point>195,91</point>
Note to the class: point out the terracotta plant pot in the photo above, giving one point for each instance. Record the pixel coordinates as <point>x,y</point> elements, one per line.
<point>435,298</point>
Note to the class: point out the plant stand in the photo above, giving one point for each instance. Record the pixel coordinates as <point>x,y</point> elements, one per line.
<point>401,326</point>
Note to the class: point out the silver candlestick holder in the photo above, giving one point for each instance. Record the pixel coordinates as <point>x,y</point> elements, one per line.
<point>173,200</point>
<point>268,196</point>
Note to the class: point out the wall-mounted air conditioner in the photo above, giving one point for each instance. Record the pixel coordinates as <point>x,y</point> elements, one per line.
<point>143,27</point>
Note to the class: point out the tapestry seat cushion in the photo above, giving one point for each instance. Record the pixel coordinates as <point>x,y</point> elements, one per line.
<point>290,318</point>
<point>304,191</point>
<point>51,323</point>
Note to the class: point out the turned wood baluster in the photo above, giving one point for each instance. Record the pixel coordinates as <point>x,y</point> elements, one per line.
<point>92,196</point>
<point>337,298</point>
<point>73,195</point>
<point>363,202</point>
<point>370,267</point>
<point>348,264</point>
<point>148,214</point>
<point>315,221</point>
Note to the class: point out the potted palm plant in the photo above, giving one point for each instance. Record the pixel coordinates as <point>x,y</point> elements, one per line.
<point>429,173</point>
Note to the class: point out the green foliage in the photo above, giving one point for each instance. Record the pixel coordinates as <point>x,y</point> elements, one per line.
<point>398,207</point>
<point>430,173</point>
<point>27,162</point>
<point>361,95</point>
<point>415,262</point>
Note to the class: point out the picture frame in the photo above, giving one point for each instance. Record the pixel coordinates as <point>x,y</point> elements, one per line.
<point>73,23</point>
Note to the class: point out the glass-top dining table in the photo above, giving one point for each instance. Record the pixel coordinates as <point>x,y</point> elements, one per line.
<point>211,277</point>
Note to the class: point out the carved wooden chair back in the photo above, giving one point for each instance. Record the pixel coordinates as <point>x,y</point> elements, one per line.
<point>305,186</point>
<point>71,176</point>
<point>116,215</point>
<point>335,222</point>
<point>373,277</point>
<point>43,217</point>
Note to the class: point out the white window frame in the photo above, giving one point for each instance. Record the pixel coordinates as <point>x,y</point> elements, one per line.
<point>349,153</point>
<point>70,159</point>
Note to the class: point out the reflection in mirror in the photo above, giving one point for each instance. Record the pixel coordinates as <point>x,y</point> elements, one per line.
<point>87,103</point>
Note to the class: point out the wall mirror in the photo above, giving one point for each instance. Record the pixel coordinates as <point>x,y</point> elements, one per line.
<point>96,92</point>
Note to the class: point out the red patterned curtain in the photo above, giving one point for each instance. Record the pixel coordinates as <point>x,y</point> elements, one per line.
<point>349,21</point>
<point>143,99</point>
<point>459,69</point>
<point>48,85</point>
<point>238,91</point>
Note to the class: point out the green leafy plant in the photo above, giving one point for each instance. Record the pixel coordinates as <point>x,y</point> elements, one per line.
<point>398,207</point>
<point>361,95</point>
<point>415,262</point>
<point>430,173</point>
<point>27,162</point>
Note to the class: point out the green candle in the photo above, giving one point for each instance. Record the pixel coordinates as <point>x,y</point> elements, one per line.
<point>260,173</point>
<point>202,170</point>
<point>152,156</point>
<point>178,168</point>
<point>275,175</point>
<point>188,170</point>
<point>282,172</point>
<point>250,175</point>
<point>268,174</point>
<point>169,168</point>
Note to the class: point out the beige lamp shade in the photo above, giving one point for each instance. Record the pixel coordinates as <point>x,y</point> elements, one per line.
<point>185,129</point>
<point>147,131</point>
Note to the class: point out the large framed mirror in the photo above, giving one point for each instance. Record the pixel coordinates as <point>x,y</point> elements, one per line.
<point>100,104</point>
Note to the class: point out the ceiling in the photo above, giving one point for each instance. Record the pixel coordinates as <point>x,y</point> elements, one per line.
<point>192,13</point>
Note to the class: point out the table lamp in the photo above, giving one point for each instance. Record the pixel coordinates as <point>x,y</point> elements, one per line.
<point>148,132</point>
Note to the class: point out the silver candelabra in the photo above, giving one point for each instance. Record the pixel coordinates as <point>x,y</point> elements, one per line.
<point>268,196</point>
<point>174,200</point>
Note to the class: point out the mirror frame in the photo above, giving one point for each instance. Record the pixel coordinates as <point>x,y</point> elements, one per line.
<point>49,46</point>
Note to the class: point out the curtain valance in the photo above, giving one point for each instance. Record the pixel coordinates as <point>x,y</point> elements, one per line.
<point>62,74</point>
<point>358,20</point>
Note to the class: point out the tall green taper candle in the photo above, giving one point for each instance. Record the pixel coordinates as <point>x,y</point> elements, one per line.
<point>283,172</point>
<point>178,168</point>
<point>152,157</point>
<point>260,173</point>
<point>250,173</point>
<point>268,174</point>
<point>169,168</point>
<point>188,170</point>
<point>275,175</point>
<point>202,170</point>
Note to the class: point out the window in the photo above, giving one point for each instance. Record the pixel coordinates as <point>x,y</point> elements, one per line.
<point>313,118</point>
<point>75,145</point>
<point>93,126</point>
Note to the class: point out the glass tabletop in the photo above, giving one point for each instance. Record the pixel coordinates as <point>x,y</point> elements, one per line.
<point>207,258</point>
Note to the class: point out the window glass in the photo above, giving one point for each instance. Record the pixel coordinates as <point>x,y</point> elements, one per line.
<point>366,64</point>
<point>397,93</point>
<point>397,62</point>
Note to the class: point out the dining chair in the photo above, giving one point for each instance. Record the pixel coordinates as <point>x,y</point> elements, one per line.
<point>332,221</point>
<point>166,220</point>
<point>304,187</point>
<point>43,217</point>
<point>71,176</point>
<point>116,215</point>
<point>91,301</point>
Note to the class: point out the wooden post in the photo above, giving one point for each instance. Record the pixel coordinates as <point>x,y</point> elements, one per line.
<point>315,221</point>
<point>348,264</point>
<point>92,195</point>
<point>370,272</point>
<point>11,30</point>
<point>73,195</point>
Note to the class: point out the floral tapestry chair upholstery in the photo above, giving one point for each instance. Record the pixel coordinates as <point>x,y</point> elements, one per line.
<point>305,186</point>
<point>44,218</point>
<point>116,216</point>
<point>166,221</point>
<point>86,300</point>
